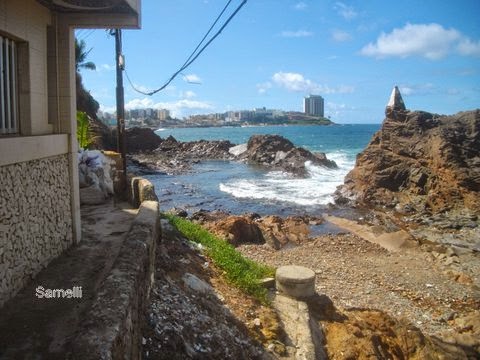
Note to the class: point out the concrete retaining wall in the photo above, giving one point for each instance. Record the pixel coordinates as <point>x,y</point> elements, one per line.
<point>112,327</point>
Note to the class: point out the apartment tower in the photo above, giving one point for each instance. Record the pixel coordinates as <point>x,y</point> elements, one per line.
<point>313,105</point>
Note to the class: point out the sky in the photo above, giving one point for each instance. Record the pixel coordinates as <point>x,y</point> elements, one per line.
<point>275,52</point>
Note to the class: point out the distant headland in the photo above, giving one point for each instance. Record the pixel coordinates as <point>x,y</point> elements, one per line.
<point>313,114</point>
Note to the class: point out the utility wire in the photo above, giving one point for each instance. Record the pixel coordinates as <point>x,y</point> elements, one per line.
<point>208,32</point>
<point>193,56</point>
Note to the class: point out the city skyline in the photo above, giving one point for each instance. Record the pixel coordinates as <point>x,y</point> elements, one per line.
<point>275,53</point>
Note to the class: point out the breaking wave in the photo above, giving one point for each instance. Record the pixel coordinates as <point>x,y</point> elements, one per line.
<point>317,189</point>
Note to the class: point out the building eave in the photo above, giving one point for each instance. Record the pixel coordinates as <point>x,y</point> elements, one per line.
<point>98,13</point>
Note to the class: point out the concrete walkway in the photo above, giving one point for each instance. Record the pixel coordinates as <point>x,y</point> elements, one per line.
<point>42,328</point>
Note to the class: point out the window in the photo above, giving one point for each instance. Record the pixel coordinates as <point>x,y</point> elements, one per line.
<point>8,87</point>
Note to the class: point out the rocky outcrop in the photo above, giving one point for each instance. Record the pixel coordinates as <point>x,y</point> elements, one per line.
<point>238,230</point>
<point>196,150</point>
<point>274,230</point>
<point>419,163</point>
<point>279,232</point>
<point>141,139</point>
<point>272,151</point>
<point>173,157</point>
<point>278,153</point>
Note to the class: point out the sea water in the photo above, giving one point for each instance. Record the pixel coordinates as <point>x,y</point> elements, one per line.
<point>238,188</point>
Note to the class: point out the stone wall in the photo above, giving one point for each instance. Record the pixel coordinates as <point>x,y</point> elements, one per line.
<point>35,219</point>
<point>111,329</point>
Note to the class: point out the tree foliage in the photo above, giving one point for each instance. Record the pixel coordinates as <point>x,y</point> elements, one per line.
<point>81,54</point>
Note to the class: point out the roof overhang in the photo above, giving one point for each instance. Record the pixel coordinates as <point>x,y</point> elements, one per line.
<point>97,13</point>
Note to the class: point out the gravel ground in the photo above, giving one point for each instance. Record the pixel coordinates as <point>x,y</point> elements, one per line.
<point>411,283</point>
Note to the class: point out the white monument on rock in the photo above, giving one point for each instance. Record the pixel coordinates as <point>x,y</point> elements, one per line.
<point>396,101</point>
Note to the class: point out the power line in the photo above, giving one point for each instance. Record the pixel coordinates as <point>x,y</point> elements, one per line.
<point>193,56</point>
<point>208,32</point>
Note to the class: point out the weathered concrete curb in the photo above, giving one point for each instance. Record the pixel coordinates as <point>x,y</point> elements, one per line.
<point>141,190</point>
<point>112,326</point>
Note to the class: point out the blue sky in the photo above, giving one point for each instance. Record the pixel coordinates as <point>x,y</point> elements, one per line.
<point>275,52</point>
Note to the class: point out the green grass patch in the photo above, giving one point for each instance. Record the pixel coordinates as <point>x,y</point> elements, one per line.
<point>238,270</point>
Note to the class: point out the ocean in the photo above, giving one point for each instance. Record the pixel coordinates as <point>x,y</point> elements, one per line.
<point>240,188</point>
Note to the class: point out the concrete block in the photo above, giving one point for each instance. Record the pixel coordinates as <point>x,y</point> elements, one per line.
<point>295,281</point>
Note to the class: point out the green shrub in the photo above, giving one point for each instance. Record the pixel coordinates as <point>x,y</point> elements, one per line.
<point>84,136</point>
<point>244,273</point>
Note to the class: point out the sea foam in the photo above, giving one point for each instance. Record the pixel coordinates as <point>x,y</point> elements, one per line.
<point>316,189</point>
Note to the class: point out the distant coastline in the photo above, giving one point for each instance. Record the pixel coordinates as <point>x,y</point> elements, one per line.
<point>306,121</point>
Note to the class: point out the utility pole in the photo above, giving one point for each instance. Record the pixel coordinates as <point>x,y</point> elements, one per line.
<point>121,146</point>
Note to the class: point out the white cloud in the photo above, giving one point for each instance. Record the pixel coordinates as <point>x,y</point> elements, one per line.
<point>142,88</point>
<point>105,67</point>
<point>338,110</point>
<point>300,6</point>
<point>431,41</point>
<point>453,91</point>
<point>346,11</point>
<point>263,87</point>
<point>298,83</point>
<point>340,35</point>
<point>468,47</point>
<point>293,82</point>
<point>109,109</point>
<point>296,34</point>
<point>192,78</point>
<point>416,89</point>
<point>178,108</point>
<point>188,94</point>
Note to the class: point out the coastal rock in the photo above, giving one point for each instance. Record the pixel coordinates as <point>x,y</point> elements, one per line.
<point>238,230</point>
<point>206,149</point>
<point>141,139</point>
<point>274,230</point>
<point>174,157</point>
<point>238,149</point>
<point>204,216</point>
<point>276,152</point>
<point>279,232</point>
<point>425,163</point>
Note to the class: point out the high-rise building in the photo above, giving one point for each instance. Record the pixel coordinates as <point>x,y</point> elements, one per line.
<point>313,105</point>
<point>163,114</point>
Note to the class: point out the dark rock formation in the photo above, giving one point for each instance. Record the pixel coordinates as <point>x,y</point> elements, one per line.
<point>174,157</point>
<point>104,137</point>
<point>204,149</point>
<point>276,152</point>
<point>141,139</point>
<point>419,163</point>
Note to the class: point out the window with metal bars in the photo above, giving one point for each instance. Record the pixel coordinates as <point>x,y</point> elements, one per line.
<point>8,87</point>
